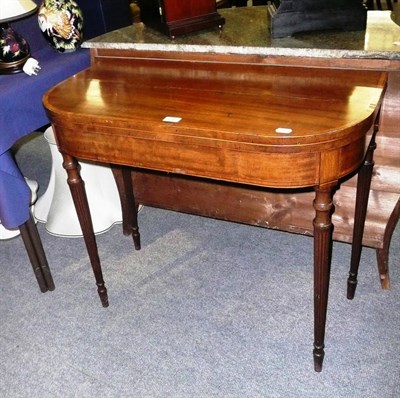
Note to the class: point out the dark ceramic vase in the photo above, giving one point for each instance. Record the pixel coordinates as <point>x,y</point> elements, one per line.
<point>61,22</point>
<point>14,50</point>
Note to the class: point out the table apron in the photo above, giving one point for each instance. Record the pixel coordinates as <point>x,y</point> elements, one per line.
<point>266,168</point>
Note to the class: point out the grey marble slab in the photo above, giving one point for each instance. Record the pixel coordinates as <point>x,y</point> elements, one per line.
<point>246,31</point>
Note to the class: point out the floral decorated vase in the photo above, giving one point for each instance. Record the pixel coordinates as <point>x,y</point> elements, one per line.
<point>61,22</point>
<point>14,50</point>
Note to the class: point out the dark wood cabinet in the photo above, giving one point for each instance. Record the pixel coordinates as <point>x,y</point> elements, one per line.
<point>177,17</point>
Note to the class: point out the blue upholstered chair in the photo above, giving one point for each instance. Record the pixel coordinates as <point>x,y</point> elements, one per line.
<point>22,112</point>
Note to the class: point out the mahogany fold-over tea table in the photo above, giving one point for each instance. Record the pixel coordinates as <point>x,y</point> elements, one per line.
<point>258,125</point>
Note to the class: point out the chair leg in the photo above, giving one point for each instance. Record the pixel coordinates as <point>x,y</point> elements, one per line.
<point>382,254</point>
<point>36,254</point>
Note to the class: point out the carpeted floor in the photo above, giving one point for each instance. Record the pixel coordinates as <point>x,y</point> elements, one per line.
<point>205,309</point>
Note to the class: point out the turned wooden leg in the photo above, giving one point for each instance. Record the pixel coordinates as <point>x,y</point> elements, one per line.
<point>362,196</point>
<point>130,225</point>
<point>37,257</point>
<point>322,260</point>
<point>78,192</point>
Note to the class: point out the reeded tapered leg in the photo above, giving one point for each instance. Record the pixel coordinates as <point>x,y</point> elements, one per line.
<point>37,257</point>
<point>322,260</point>
<point>123,179</point>
<point>362,196</point>
<point>78,192</point>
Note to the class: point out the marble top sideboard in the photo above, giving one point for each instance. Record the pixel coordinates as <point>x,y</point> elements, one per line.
<point>247,32</point>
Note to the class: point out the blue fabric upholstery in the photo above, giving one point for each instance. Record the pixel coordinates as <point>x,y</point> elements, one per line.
<point>21,95</point>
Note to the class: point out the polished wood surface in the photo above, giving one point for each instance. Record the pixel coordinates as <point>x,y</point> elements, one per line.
<point>253,125</point>
<point>234,112</point>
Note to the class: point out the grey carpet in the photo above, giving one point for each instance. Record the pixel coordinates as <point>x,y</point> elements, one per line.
<point>205,309</point>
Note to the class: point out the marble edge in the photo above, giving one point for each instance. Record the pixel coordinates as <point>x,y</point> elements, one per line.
<point>375,20</point>
<point>244,50</point>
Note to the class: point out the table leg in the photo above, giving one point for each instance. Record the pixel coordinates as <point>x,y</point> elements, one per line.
<point>362,196</point>
<point>78,193</point>
<point>323,228</point>
<point>37,256</point>
<point>123,179</point>
<point>382,254</point>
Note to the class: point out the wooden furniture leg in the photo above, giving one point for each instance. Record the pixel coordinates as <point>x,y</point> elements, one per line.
<point>123,179</point>
<point>323,228</point>
<point>36,254</point>
<point>382,254</point>
<point>362,196</point>
<point>78,193</point>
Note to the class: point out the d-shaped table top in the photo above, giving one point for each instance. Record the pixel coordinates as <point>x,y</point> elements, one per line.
<point>219,121</point>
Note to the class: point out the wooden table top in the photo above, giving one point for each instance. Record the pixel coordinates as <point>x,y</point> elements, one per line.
<point>232,120</point>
